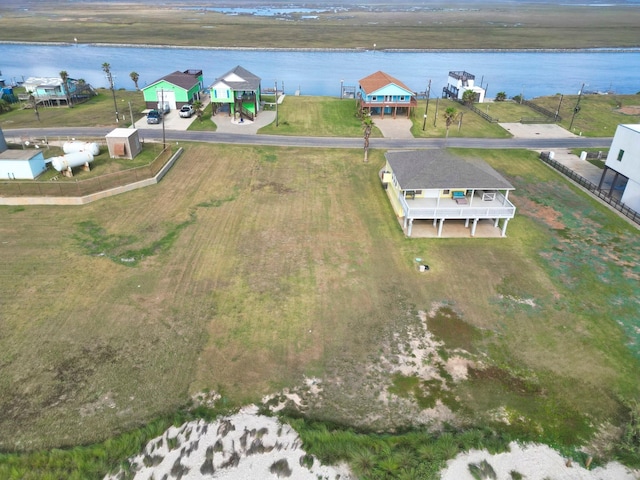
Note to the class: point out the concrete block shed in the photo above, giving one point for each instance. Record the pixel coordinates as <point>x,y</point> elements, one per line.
<point>123,143</point>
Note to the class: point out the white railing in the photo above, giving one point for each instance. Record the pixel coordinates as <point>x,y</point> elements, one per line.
<point>500,208</point>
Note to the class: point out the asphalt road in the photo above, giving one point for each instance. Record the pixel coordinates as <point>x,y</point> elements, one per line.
<point>323,142</point>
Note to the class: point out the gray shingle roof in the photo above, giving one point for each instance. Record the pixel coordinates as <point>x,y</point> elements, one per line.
<point>249,80</point>
<point>427,169</point>
<point>180,79</point>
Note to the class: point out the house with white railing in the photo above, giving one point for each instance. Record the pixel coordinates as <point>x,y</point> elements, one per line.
<point>435,186</point>
<point>460,82</point>
<point>623,165</point>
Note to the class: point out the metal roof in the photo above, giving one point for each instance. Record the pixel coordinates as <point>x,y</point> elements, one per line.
<point>429,169</point>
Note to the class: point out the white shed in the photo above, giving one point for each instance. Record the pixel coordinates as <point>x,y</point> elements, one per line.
<point>21,164</point>
<point>123,143</point>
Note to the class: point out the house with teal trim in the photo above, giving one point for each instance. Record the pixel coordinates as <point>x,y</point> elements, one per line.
<point>240,90</point>
<point>380,94</point>
<point>176,89</point>
<point>52,91</point>
<point>427,188</point>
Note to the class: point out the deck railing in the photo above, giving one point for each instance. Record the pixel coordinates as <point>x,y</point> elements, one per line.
<point>506,210</point>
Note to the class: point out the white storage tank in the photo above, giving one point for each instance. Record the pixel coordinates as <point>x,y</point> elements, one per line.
<point>73,147</point>
<point>71,160</point>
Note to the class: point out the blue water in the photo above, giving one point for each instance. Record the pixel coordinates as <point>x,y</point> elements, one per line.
<point>321,72</point>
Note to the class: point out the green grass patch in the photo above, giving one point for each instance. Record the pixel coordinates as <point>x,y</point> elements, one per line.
<point>317,117</point>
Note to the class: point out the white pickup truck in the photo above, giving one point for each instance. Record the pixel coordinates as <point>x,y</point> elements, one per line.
<point>186,111</point>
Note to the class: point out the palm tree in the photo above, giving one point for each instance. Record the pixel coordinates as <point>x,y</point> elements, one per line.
<point>367,125</point>
<point>197,106</point>
<point>106,68</point>
<point>450,116</point>
<point>501,96</point>
<point>134,76</point>
<point>468,97</point>
<point>65,83</point>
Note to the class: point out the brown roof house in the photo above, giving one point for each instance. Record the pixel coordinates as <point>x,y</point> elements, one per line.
<point>381,94</point>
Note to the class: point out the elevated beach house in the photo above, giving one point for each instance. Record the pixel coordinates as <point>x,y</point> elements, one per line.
<point>460,82</point>
<point>623,165</point>
<point>240,90</point>
<point>434,186</point>
<point>53,91</point>
<point>176,89</point>
<point>380,94</point>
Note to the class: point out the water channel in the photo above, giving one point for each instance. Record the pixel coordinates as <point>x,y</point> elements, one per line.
<point>319,72</point>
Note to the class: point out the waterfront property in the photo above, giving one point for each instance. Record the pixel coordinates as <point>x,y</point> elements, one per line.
<point>240,90</point>
<point>623,161</point>
<point>436,186</point>
<point>53,91</point>
<point>175,90</point>
<point>460,82</point>
<point>380,94</point>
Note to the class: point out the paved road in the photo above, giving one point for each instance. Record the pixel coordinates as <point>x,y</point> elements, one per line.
<point>328,142</point>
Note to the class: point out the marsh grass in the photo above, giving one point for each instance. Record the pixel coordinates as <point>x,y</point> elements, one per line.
<point>538,26</point>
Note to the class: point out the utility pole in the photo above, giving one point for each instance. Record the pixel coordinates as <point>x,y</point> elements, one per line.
<point>276,97</point>
<point>131,115</point>
<point>576,109</point>
<point>426,110</point>
<point>558,109</point>
<point>435,117</point>
<point>164,143</point>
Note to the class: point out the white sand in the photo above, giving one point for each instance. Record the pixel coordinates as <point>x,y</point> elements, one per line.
<point>534,462</point>
<point>246,446</point>
<point>248,443</point>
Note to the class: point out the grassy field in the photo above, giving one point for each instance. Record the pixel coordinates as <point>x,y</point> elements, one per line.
<point>248,269</point>
<point>327,116</point>
<point>98,111</point>
<point>496,25</point>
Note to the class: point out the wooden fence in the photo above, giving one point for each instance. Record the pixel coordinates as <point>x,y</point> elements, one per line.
<point>592,187</point>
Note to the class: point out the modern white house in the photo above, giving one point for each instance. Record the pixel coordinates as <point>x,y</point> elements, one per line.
<point>623,163</point>
<point>436,186</point>
<point>460,82</point>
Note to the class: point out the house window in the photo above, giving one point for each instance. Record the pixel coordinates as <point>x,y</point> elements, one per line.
<point>446,192</point>
<point>620,155</point>
<point>402,98</point>
<point>374,98</point>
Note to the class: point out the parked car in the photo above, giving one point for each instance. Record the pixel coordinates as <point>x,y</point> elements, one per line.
<point>164,107</point>
<point>186,111</point>
<point>154,117</point>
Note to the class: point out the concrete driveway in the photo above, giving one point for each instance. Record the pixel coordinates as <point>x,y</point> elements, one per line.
<point>394,127</point>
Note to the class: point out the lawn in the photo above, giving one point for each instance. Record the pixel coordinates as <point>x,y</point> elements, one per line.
<point>598,115</point>
<point>317,116</point>
<point>98,111</point>
<point>248,269</point>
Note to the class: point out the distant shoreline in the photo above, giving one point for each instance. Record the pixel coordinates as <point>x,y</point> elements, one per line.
<point>307,49</point>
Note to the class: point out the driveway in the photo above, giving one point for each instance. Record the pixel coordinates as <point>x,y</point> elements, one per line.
<point>394,127</point>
